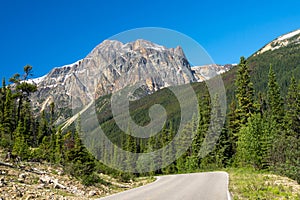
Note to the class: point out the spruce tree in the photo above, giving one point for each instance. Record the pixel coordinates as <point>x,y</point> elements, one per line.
<point>275,101</point>
<point>203,125</point>
<point>78,161</point>
<point>232,128</point>
<point>292,116</point>
<point>59,147</point>
<point>2,100</point>
<point>254,143</point>
<point>244,92</point>
<point>152,146</point>
<point>20,147</point>
<point>43,128</point>
<point>182,143</point>
<point>131,149</point>
<point>9,120</point>
<point>168,152</point>
<point>28,123</point>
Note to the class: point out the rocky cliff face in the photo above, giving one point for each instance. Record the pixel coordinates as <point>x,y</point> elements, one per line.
<point>112,66</point>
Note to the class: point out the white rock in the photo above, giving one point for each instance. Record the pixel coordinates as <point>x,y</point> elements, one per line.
<point>92,193</point>
<point>22,176</point>
<point>40,186</point>
<point>59,186</point>
<point>45,179</point>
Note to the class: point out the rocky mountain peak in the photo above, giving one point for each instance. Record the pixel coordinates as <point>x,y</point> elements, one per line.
<point>179,51</point>
<point>110,67</point>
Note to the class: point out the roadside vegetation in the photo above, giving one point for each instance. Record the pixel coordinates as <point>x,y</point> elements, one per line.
<point>39,180</point>
<point>247,183</point>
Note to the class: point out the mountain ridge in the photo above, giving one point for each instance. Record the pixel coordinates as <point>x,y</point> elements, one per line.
<point>284,40</point>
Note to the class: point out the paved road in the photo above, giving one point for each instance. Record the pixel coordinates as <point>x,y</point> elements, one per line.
<point>195,186</point>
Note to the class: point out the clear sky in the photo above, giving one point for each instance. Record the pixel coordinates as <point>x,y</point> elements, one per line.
<point>52,33</point>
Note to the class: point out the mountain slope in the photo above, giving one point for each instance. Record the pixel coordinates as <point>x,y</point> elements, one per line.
<point>284,58</point>
<point>282,41</point>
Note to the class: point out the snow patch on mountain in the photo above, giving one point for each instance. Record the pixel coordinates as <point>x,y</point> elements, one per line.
<point>289,35</point>
<point>36,80</point>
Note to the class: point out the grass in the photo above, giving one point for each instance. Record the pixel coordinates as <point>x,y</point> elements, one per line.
<point>117,186</point>
<point>252,184</point>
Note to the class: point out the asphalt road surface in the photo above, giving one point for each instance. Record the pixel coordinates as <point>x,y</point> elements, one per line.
<point>195,186</point>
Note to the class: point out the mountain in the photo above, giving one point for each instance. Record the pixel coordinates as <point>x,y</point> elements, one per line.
<point>284,57</point>
<point>282,41</point>
<point>112,66</point>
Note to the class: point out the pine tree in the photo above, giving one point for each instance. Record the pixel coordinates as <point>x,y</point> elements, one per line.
<point>9,121</point>
<point>254,143</point>
<point>2,100</point>
<point>43,129</point>
<point>131,149</point>
<point>232,128</point>
<point>197,139</point>
<point>168,153</point>
<point>59,147</point>
<point>203,125</point>
<point>23,89</point>
<point>292,116</point>
<point>244,92</point>
<point>28,123</point>
<point>216,124</point>
<point>79,162</point>
<point>52,111</point>
<point>182,143</point>
<point>224,150</point>
<point>52,148</point>
<point>153,145</point>
<point>275,102</point>
<point>20,147</point>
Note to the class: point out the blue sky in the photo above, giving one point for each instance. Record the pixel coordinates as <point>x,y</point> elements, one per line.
<point>47,34</point>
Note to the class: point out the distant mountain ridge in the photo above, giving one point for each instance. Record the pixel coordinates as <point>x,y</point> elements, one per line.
<point>282,53</point>
<point>281,41</point>
<point>203,73</point>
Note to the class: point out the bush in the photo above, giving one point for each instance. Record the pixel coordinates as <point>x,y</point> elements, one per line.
<point>90,179</point>
<point>4,143</point>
